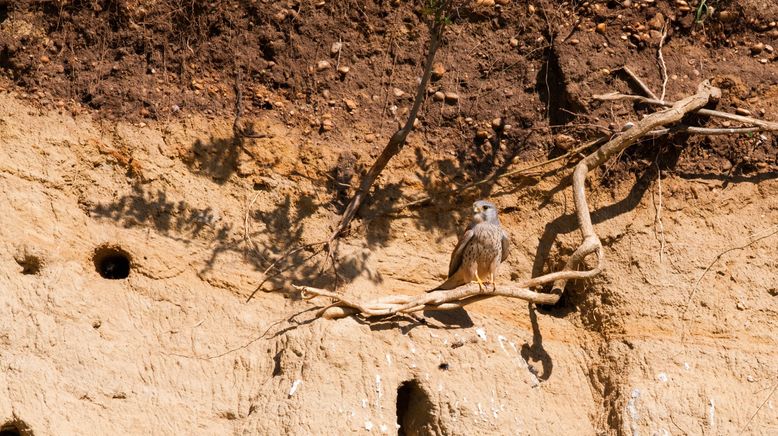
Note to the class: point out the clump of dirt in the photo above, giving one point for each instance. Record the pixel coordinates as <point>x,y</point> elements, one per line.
<point>354,68</point>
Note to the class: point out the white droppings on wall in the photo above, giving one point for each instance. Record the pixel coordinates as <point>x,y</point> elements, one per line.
<point>294,387</point>
<point>712,414</point>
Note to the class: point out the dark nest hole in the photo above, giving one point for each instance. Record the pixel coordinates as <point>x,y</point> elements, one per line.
<point>15,428</point>
<point>112,262</point>
<point>31,265</point>
<point>414,410</point>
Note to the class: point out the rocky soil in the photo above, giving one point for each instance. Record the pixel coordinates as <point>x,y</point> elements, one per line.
<point>135,225</point>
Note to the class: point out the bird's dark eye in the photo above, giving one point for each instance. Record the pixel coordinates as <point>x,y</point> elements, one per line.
<point>486,207</point>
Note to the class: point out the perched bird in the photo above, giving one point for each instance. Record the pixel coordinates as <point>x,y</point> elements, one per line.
<point>480,250</point>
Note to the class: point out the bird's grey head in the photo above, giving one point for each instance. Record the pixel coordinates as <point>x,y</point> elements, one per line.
<point>484,211</point>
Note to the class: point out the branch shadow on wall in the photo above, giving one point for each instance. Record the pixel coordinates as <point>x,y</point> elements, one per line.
<point>439,178</point>
<point>276,234</point>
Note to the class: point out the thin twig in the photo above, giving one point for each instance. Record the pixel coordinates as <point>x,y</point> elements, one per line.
<point>769,232</point>
<point>709,131</point>
<point>775,386</point>
<point>662,66</point>
<point>277,261</point>
<point>646,90</point>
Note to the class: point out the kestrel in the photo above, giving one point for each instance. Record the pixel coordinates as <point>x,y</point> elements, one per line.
<point>480,250</point>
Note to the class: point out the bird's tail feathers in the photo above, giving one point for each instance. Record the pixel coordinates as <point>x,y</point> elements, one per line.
<point>452,282</point>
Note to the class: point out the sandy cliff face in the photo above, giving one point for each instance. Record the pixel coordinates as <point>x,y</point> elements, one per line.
<point>134,227</point>
<point>174,349</point>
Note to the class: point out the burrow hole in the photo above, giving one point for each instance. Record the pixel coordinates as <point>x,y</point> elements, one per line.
<point>31,264</point>
<point>414,410</point>
<point>111,262</point>
<point>15,428</point>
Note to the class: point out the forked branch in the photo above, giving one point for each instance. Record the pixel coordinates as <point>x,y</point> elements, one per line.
<point>654,124</point>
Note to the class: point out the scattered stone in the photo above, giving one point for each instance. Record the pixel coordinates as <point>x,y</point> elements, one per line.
<point>344,70</point>
<point>627,3</point>
<point>514,42</point>
<point>45,59</point>
<point>741,306</point>
<point>727,16</point>
<point>469,120</point>
<point>438,70</point>
<point>565,142</point>
<point>574,41</point>
<point>335,48</point>
<point>370,138</point>
<point>398,92</point>
<point>497,123</point>
<point>486,3</point>
<point>773,33</point>
<point>655,34</point>
<point>323,65</point>
<point>658,22</point>
<point>326,94</point>
<point>768,48</point>
<point>757,48</point>
<point>452,97</point>
<point>601,28</point>
<point>531,9</point>
<point>327,125</point>
<point>144,112</point>
<point>481,135</point>
<point>351,105</point>
<point>439,96</point>
<point>763,60</point>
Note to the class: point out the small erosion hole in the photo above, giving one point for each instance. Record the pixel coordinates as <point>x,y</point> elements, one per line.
<point>112,262</point>
<point>31,265</point>
<point>15,428</point>
<point>414,410</point>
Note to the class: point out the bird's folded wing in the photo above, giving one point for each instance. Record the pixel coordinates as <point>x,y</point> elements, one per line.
<point>459,250</point>
<point>506,246</point>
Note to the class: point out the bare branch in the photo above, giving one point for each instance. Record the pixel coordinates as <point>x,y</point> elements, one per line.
<point>591,243</point>
<point>768,126</point>
<point>646,90</point>
<point>397,141</point>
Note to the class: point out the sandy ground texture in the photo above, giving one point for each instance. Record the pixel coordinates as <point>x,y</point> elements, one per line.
<point>135,226</point>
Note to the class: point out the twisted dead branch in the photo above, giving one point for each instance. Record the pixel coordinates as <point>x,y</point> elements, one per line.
<point>456,298</point>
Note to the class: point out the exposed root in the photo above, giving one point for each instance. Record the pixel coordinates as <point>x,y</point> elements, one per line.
<point>456,298</point>
<point>661,60</point>
<point>438,300</point>
<point>591,243</point>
